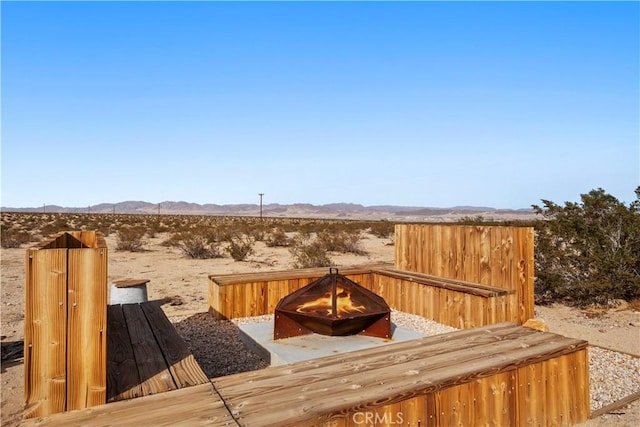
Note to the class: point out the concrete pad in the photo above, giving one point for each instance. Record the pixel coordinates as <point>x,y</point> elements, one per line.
<point>259,338</point>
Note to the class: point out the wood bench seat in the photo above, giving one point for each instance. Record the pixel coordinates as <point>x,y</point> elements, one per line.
<point>324,390</point>
<point>145,354</point>
<point>478,289</point>
<point>502,374</point>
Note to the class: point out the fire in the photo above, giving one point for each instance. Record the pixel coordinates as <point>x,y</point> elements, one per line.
<point>323,305</point>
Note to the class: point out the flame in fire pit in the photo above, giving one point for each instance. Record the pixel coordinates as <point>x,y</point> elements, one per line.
<point>323,305</point>
<point>332,305</point>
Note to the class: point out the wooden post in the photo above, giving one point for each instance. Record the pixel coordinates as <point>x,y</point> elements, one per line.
<point>65,323</point>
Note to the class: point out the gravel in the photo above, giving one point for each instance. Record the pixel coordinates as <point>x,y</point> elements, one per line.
<point>216,346</point>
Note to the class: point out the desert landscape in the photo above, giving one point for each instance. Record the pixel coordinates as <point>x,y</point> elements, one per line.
<point>181,283</point>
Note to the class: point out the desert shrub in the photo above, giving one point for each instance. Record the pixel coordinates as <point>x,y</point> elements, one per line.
<point>54,227</point>
<point>257,231</point>
<point>308,252</point>
<point>240,246</point>
<point>589,252</point>
<point>382,229</point>
<point>277,237</point>
<point>174,241</point>
<point>341,241</point>
<point>130,239</point>
<point>199,244</point>
<point>12,238</point>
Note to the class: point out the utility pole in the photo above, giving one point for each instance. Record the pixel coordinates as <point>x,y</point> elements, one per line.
<point>260,194</point>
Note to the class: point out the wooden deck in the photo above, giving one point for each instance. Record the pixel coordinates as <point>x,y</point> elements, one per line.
<point>145,354</point>
<point>493,374</point>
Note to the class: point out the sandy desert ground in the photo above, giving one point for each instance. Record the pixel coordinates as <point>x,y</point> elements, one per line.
<point>184,282</point>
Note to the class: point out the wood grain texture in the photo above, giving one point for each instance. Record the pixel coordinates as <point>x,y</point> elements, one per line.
<point>481,363</point>
<point>65,321</point>
<point>123,380</point>
<point>502,257</point>
<point>192,406</point>
<point>87,319</point>
<point>45,341</point>
<point>155,375</point>
<point>182,365</point>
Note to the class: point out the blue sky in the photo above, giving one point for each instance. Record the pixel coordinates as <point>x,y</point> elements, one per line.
<point>415,103</point>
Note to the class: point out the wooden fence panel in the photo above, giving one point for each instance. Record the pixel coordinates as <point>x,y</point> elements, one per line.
<point>498,256</point>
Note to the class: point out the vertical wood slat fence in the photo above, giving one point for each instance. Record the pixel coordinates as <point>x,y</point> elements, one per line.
<point>65,323</point>
<point>502,257</point>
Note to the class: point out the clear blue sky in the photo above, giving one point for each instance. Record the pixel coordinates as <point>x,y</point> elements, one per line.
<point>418,103</point>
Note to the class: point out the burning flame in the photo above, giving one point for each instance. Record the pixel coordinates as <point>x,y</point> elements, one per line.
<point>323,304</point>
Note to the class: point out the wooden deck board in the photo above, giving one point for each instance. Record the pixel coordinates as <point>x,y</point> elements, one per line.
<point>123,380</point>
<point>192,406</point>
<point>145,354</point>
<point>155,376</point>
<point>182,365</point>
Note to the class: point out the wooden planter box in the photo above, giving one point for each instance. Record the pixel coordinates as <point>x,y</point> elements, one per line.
<point>65,317</point>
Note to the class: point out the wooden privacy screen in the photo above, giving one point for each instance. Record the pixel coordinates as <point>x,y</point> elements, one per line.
<point>65,318</point>
<point>502,257</point>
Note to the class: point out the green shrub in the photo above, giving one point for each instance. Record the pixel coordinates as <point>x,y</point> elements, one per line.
<point>588,253</point>
<point>309,252</point>
<point>130,238</point>
<point>240,246</point>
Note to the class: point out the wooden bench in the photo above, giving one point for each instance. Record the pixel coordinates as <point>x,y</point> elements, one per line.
<point>145,354</point>
<point>452,302</point>
<point>502,374</point>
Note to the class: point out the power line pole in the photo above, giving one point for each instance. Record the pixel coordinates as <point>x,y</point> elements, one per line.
<point>261,194</point>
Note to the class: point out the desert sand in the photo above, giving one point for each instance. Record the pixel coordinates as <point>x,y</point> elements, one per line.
<point>183,283</point>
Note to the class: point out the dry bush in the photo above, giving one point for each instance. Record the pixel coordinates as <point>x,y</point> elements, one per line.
<point>11,238</point>
<point>308,252</point>
<point>240,246</point>
<point>199,243</point>
<point>382,229</point>
<point>130,239</point>
<point>342,241</point>
<point>277,237</point>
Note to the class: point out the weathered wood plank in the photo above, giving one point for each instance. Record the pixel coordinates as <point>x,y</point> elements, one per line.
<point>182,365</point>
<point>123,380</point>
<point>45,331</point>
<point>479,289</point>
<point>435,344</point>
<point>153,370</point>
<point>300,273</point>
<point>86,330</point>
<point>358,392</point>
<point>192,406</point>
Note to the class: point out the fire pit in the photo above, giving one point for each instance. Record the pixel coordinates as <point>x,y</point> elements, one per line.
<point>332,305</point>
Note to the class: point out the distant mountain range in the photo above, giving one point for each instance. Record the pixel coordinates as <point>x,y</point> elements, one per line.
<point>296,210</point>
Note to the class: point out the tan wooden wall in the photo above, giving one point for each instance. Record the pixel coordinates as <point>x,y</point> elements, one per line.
<point>65,323</point>
<point>553,392</point>
<point>246,295</point>
<point>498,256</point>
